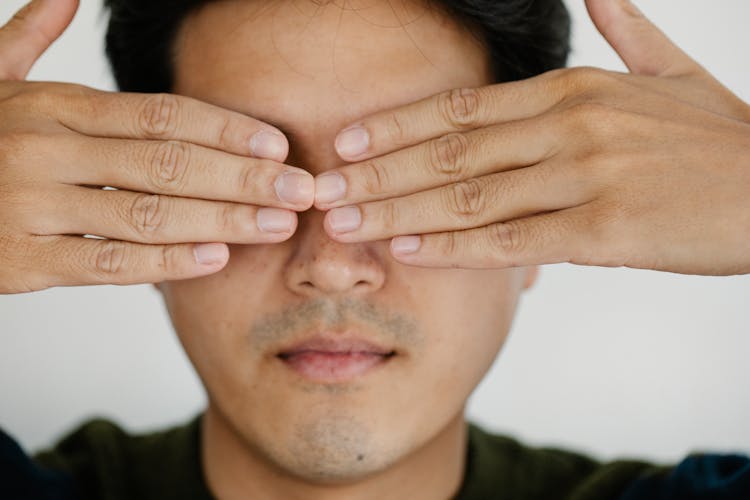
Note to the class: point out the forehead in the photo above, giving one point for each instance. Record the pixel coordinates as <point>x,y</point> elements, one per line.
<point>311,67</point>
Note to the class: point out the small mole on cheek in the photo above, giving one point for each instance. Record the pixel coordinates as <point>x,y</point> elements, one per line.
<point>360,458</point>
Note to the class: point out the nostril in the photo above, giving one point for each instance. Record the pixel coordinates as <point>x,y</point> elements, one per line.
<point>307,284</point>
<point>361,282</point>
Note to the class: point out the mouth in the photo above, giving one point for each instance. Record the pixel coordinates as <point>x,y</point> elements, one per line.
<point>334,358</point>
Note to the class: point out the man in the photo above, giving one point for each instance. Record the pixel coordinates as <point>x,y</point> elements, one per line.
<point>338,360</point>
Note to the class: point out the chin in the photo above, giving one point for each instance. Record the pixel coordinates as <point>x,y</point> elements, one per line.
<point>332,449</point>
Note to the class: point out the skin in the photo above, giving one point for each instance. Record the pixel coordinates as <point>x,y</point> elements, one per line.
<point>266,430</point>
<point>186,172</point>
<point>649,169</point>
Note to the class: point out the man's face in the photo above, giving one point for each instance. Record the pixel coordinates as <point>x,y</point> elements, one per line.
<point>311,69</point>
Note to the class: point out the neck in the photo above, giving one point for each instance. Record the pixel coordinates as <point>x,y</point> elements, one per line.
<point>232,469</point>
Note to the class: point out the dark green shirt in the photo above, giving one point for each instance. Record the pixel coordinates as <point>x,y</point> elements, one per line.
<point>110,464</point>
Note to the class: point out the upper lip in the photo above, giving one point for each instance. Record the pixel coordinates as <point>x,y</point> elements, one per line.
<point>334,343</point>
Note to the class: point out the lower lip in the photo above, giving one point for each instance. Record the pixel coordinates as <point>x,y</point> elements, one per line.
<point>319,366</point>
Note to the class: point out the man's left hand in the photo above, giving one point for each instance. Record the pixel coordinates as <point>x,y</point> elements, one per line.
<point>649,169</point>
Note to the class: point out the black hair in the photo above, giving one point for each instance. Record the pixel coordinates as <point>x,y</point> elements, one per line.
<point>523,37</point>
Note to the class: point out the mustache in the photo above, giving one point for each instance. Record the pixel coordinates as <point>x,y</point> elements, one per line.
<point>328,314</point>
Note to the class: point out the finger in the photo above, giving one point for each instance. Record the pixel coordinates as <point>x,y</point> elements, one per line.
<point>74,261</point>
<point>643,47</point>
<point>437,162</point>
<point>157,219</point>
<point>167,117</point>
<point>548,238</point>
<point>452,111</point>
<point>687,94</point>
<point>30,33</point>
<point>182,169</point>
<point>468,204</point>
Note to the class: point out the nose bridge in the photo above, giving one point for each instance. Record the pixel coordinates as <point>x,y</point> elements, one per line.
<point>319,265</point>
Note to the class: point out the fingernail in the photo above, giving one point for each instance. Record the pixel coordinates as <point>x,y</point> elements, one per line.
<point>275,220</point>
<point>329,188</point>
<point>406,244</point>
<point>295,188</point>
<point>208,254</point>
<point>352,141</point>
<point>344,220</point>
<point>265,144</point>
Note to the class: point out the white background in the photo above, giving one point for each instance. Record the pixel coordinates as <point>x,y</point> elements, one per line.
<point>608,361</point>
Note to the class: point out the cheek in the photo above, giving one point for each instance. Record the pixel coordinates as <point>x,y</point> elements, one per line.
<point>212,314</point>
<point>466,316</point>
<point>202,304</point>
<point>469,316</point>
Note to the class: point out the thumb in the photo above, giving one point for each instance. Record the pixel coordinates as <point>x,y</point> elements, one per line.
<point>643,47</point>
<point>30,32</point>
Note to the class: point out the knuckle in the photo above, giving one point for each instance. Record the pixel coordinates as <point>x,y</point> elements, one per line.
<point>448,155</point>
<point>505,238</point>
<point>450,244</point>
<point>466,200</point>
<point>389,216</point>
<point>226,218</point>
<point>460,107</point>
<point>395,129</point>
<point>586,78</point>
<point>557,82</point>
<point>247,181</point>
<point>159,115</point>
<point>375,177</point>
<point>556,75</point>
<point>225,133</point>
<point>110,258</point>
<point>585,82</point>
<point>169,259</point>
<point>147,214</point>
<point>168,165</point>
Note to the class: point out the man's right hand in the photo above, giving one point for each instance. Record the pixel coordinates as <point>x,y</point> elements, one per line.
<point>187,174</point>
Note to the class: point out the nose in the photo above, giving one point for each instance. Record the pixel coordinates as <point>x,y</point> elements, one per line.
<point>320,266</point>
